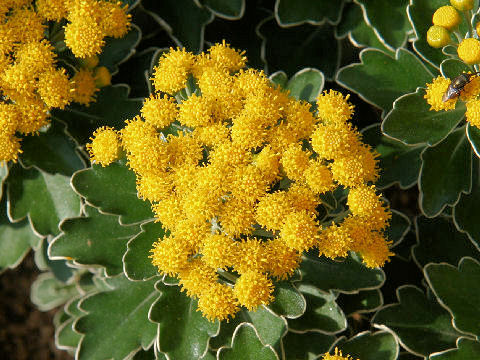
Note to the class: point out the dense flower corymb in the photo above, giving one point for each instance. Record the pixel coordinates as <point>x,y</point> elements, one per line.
<point>238,180</point>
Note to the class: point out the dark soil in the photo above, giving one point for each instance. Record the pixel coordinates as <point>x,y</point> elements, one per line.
<point>25,332</point>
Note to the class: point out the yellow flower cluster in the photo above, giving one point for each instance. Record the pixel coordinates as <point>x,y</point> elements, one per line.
<point>218,184</point>
<point>338,356</point>
<point>470,92</point>
<point>31,82</point>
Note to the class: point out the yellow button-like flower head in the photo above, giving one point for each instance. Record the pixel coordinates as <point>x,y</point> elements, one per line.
<point>447,17</point>
<point>434,94</point>
<point>473,112</point>
<point>469,51</point>
<point>105,146</point>
<point>438,36</point>
<point>334,107</point>
<point>253,289</point>
<point>84,87</point>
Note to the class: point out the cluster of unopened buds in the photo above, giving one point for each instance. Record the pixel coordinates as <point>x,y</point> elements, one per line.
<point>32,82</point>
<point>443,93</point>
<point>238,180</point>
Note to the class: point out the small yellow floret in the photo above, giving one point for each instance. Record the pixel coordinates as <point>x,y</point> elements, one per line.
<point>159,111</point>
<point>300,230</point>
<point>195,111</point>
<point>51,9</point>
<point>334,107</point>
<point>295,161</point>
<point>84,87</point>
<point>331,141</point>
<point>103,77</point>
<point>170,75</point>
<point>170,255</point>
<point>359,167</point>
<point>218,251</point>
<point>54,88</point>
<point>438,36</point>
<point>319,177</point>
<point>469,51</point>
<point>105,146</point>
<point>435,92</point>
<point>447,17</point>
<point>338,356</point>
<point>365,203</point>
<point>253,289</point>
<point>473,112</point>
<point>114,20</point>
<point>37,56</point>
<point>34,115</point>
<point>84,38</point>
<point>197,277</point>
<point>272,209</point>
<point>9,147</point>
<point>218,302</point>
<point>281,259</point>
<point>462,5</point>
<point>226,57</point>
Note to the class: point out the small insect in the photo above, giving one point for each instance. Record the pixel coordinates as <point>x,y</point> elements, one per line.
<point>457,85</point>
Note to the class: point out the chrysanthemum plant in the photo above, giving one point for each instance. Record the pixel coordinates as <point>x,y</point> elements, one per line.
<point>229,214</point>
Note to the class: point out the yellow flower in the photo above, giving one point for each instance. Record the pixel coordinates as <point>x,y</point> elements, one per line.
<point>226,57</point>
<point>84,38</point>
<point>159,111</point>
<point>364,202</point>
<point>105,146</point>
<point>218,251</point>
<point>359,167</point>
<point>472,89</point>
<point>102,77</point>
<point>281,259</point>
<point>338,356</point>
<point>253,289</point>
<point>152,187</point>
<point>300,230</point>
<point>250,255</point>
<point>319,177</point>
<point>54,88</point>
<point>473,112</point>
<point>37,56</point>
<point>9,118</point>
<point>435,92</point>
<point>9,147</point>
<point>218,302</point>
<point>170,256</point>
<point>334,241</point>
<point>438,36</point>
<point>333,107</point>
<point>469,51</point>
<point>170,75</point>
<point>295,161</point>
<point>34,115</point>
<point>272,209</point>
<point>301,197</point>
<point>114,20</point>
<point>25,18</point>
<point>237,217</point>
<point>84,87</point>
<point>195,111</point>
<point>447,17</point>
<point>51,9</point>
<point>374,250</point>
<point>197,277</point>
<point>331,141</point>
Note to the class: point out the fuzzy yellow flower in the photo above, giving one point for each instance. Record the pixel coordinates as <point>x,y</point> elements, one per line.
<point>337,356</point>
<point>447,17</point>
<point>434,94</point>
<point>105,146</point>
<point>469,51</point>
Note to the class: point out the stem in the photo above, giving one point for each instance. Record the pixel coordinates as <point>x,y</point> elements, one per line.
<point>227,275</point>
<point>468,16</point>
<point>458,36</point>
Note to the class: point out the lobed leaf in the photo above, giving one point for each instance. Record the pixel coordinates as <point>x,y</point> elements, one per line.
<point>364,302</point>
<point>307,345</point>
<point>466,349</point>
<point>296,12</point>
<point>305,85</point>
<point>380,345</point>
<point>47,292</point>
<point>227,9</point>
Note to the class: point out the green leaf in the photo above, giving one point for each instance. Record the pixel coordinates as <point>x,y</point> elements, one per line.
<point>117,321</point>
<point>184,20</point>
<point>412,122</point>
<point>420,14</point>
<point>145,355</point>
<point>47,292</point>
<point>377,78</point>
<point>322,312</point>
<point>183,333</point>
<point>269,326</point>
<point>60,269</point>
<point>364,302</point>
<point>137,265</point>
<point>299,47</point>
<point>360,34</point>
<point>15,240</point>
<point>46,199</point>
<point>347,276</point>
<point>467,349</point>
<point>66,338</point>
<point>3,177</point>
<point>438,241</point>
<point>297,12</point>
<point>457,289</point>
<point>421,324</point>
<point>306,84</point>
<point>227,9</point>
<point>399,163</point>
<point>473,136</point>
<point>288,300</point>
<point>398,228</point>
<point>308,345</point>
<point>382,14</point>
<point>372,346</point>
<point>52,151</point>
<point>246,345</point>
<point>111,108</point>
<point>119,50</point>
<point>113,190</point>
<point>96,239</point>
<point>446,173</point>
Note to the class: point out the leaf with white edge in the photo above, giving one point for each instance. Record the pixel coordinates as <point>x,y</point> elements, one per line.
<point>183,333</point>
<point>412,122</point>
<point>270,328</point>
<point>116,324</point>
<point>296,12</point>
<point>322,312</point>
<point>364,302</point>
<point>451,68</point>
<point>382,14</point>
<point>288,300</point>
<point>446,173</point>
<point>360,34</point>
<point>399,163</point>
<point>119,50</point>
<point>438,241</point>
<point>227,9</point>
<point>306,84</point>
<point>246,346</point>
<point>136,264</point>
<point>457,290</point>
<point>59,268</point>
<point>398,227</point>
<point>66,338</point>
<point>299,47</point>
<point>145,355</point>
<point>3,177</point>
<point>184,20</point>
<point>46,199</point>
<point>308,345</point>
<point>420,14</point>
<point>380,345</point>
<point>47,292</point>
<point>94,240</point>
<point>473,136</point>
<point>467,349</point>
<point>112,189</point>
<point>53,151</point>
<point>279,78</point>
<point>111,108</point>
<point>16,239</point>
<point>421,324</point>
<point>347,276</point>
<point>377,78</point>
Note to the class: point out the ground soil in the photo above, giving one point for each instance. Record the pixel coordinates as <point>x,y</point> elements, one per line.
<point>25,332</point>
